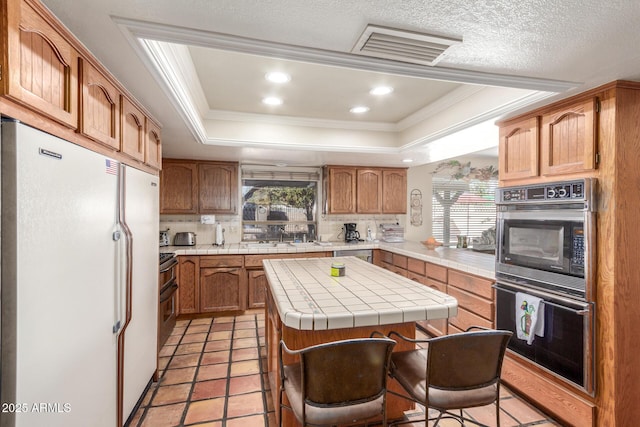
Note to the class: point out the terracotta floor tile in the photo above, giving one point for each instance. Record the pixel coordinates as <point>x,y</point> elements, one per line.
<point>244,354</point>
<point>205,410</point>
<point>183,361</point>
<point>217,345</point>
<point>244,343</point>
<point>219,335</point>
<point>173,340</point>
<point>178,330</point>
<point>181,323</point>
<point>209,389</point>
<point>245,384</point>
<point>246,367</point>
<point>226,319</point>
<point>211,372</point>
<point>221,327</point>
<point>147,397</point>
<point>246,325</point>
<point>245,404</point>
<point>171,394</point>
<point>133,421</point>
<point>202,321</point>
<point>215,357</point>
<point>193,338</point>
<point>169,415</point>
<point>163,362</point>
<point>211,424</point>
<point>244,333</point>
<point>487,415</point>
<point>253,421</point>
<point>178,376</point>
<point>167,350</point>
<point>196,329</point>
<point>190,348</point>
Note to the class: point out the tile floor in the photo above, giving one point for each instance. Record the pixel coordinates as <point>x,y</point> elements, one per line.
<point>212,373</point>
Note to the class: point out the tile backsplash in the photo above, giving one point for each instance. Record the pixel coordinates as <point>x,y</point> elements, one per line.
<point>329,226</point>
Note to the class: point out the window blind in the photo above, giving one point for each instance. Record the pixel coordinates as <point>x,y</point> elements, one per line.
<point>462,207</point>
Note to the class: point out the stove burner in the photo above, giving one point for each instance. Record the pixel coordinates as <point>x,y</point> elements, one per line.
<point>165,256</point>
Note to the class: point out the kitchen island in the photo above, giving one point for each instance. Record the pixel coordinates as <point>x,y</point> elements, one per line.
<point>307,306</point>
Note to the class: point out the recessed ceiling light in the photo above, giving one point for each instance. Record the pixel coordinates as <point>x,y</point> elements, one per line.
<point>272,100</point>
<point>381,90</point>
<point>407,160</point>
<point>359,110</point>
<point>277,77</point>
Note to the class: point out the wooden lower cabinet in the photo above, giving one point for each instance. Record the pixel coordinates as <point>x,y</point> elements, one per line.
<point>257,283</point>
<point>188,278</point>
<point>222,289</point>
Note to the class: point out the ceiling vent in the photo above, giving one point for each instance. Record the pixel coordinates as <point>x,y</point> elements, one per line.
<point>401,45</point>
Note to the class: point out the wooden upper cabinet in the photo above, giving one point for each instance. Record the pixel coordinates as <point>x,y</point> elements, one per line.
<point>42,66</point>
<point>132,139</point>
<point>569,139</point>
<point>394,191</point>
<point>218,188</point>
<point>178,187</point>
<point>99,106</point>
<point>518,147</point>
<point>341,191</point>
<point>369,191</point>
<point>153,155</point>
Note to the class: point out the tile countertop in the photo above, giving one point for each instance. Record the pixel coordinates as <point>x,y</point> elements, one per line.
<point>309,298</point>
<point>466,260</point>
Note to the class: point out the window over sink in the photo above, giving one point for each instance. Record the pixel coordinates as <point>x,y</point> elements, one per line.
<point>279,205</point>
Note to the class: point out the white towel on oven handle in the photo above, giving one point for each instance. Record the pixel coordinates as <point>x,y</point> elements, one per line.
<point>529,317</point>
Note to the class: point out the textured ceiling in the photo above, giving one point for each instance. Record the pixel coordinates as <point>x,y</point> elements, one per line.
<point>584,42</point>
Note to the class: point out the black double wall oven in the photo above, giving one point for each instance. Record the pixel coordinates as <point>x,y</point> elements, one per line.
<point>545,265</point>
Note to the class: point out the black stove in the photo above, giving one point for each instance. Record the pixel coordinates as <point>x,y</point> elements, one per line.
<point>165,256</point>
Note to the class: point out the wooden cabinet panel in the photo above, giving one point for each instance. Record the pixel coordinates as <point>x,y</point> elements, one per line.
<point>214,261</point>
<point>440,326</point>
<point>473,284</point>
<point>415,266</point>
<point>473,303</point>
<point>340,190</point>
<point>394,191</point>
<point>465,319</point>
<point>569,139</point>
<point>42,65</point>
<point>435,271</point>
<point>386,256</point>
<point>400,261</point>
<point>178,188</point>
<point>188,277</point>
<point>132,132</point>
<point>153,155</point>
<point>369,191</point>
<point>217,188</point>
<point>99,107</point>
<point>519,145</point>
<point>257,284</point>
<point>222,289</point>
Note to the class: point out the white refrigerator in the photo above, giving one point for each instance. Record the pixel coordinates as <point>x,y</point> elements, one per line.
<point>79,283</point>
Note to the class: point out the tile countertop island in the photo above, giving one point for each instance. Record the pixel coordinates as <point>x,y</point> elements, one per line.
<point>480,264</point>
<point>307,306</point>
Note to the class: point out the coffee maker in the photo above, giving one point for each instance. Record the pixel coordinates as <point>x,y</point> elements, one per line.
<point>351,235</point>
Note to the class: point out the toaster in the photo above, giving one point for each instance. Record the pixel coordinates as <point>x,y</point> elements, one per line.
<point>185,239</point>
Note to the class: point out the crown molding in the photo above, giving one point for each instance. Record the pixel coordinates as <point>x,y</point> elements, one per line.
<point>190,36</point>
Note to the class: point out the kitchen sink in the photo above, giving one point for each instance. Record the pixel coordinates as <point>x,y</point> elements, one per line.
<point>303,244</point>
<point>267,245</point>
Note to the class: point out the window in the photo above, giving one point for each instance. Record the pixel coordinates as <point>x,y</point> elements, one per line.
<point>462,207</point>
<point>279,206</point>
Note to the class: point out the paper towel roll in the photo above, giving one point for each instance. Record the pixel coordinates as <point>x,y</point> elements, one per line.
<point>219,234</point>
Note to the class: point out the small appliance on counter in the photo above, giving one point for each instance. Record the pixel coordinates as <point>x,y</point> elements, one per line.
<point>392,233</point>
<point>164,238</point>
<point>219,241</point>
<point>185,239</point>
<point>351,235</point>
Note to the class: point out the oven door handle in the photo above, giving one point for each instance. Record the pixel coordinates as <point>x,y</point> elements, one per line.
<point>581,312</point>
<point>172,264</point>
<point>168,292</point>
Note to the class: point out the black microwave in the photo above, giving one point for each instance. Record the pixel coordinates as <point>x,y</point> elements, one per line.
<point>553,245</point>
